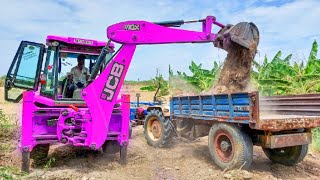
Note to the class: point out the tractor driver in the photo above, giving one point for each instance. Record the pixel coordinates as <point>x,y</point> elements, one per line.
<point>79,73</point>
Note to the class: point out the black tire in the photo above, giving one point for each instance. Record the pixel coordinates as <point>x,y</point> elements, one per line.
<point>123,155</point>
<point>287,156</point>
<point>40,152</point>
<point>230,147</point>
<point>184,126</point>
<point>157,129</point>
<point>111,147</point>
<point>130,130</point>
<point>25,165</point>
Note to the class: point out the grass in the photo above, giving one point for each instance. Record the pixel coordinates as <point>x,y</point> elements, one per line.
<point>7,128</point>
<point>316,138</point>
<point>10,172</point>
<point>49,163</point>
<point>5,147</point>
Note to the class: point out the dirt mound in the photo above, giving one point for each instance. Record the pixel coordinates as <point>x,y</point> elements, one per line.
<point>235,74</point>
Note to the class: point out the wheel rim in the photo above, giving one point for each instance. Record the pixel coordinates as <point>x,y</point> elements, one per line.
<point>154,128</point>
<point>223,145</point>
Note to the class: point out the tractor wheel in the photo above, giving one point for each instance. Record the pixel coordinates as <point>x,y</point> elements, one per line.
<point>183,127</point>
<point>230,147</point>
<point>157,129</point>
<point>287,156</point>
<point>39,152</point>
<point>111,147</point>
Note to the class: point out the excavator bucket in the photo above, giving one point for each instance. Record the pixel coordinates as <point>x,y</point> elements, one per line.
<point>245,34</point>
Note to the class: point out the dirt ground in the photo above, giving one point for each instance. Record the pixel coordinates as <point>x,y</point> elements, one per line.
<point>183,159</point>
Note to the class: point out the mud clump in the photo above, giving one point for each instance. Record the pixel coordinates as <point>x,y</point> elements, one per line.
<point>235,74</point>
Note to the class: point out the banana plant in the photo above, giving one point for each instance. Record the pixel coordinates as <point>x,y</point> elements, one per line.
<point>280,77</point>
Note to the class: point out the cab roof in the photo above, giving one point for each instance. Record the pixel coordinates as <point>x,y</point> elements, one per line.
<point>78,41</point>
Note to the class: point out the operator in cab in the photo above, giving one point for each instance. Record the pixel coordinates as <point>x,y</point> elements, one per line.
<point>79,73</point>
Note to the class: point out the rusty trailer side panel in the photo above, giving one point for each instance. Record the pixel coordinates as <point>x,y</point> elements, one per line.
<point>305,104</point>
<point>284,140</point>
<point>277,113</point>
<point>284,122</point>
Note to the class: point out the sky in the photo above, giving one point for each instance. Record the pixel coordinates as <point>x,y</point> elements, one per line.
<point>286,25</point>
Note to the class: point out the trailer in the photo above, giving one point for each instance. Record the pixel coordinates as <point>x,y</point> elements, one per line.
<point>238,121</point>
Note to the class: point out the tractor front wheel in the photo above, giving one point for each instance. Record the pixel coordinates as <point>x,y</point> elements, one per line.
<point>157,129</point>
<point>230,147</point>
<point>287,156</point>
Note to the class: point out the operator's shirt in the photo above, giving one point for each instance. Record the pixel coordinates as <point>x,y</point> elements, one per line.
<point>79,75</point>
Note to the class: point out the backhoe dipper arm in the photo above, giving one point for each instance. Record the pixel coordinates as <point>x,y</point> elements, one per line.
<point>142,32</point>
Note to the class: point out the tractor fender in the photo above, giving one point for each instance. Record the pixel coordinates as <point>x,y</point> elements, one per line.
<point>162,109</point>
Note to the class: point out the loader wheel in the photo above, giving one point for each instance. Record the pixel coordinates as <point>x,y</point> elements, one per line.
<point>39,152</point>
<point>130,130</point>
<point>157,129</point>
<point>287,156</point>
<point>25,165</point>
<point>123,155</point>
<point>230,147</point>
<point>111,147</point>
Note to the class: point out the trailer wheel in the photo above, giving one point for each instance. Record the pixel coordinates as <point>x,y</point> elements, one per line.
<point>39,152</point>
<point>157,129</point>
<point>111,147</point>
<point>287,156</point>
<point>230,147</point>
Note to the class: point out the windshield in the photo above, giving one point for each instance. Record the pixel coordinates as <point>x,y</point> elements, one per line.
<point>69,61</point>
